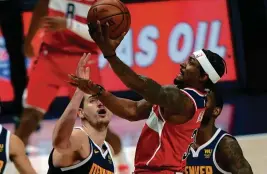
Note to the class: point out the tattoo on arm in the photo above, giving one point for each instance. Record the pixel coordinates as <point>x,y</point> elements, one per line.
<point>233,156</point>
<point>166,96</point>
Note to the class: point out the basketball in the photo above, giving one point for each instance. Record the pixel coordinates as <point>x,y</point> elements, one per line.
<point>114,12</point>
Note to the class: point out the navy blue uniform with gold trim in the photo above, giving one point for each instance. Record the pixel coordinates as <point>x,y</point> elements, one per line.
<point>4,148</point>
<point>96,162</point>
<point>203,159</point>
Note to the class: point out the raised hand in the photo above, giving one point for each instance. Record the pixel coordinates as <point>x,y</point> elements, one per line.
<point>54,23</point>
<point>83,70</point>
<point>81,79</point>
<point>100,34</point>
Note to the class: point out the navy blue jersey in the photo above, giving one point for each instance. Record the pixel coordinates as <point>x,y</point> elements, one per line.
<point>4,148</point>
<point>203,159</point>
<point>99,161</point>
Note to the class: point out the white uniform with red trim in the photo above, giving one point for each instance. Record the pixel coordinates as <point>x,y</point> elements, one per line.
<point>60,53</point>
<point>163,147</point>
<point>67,40</point>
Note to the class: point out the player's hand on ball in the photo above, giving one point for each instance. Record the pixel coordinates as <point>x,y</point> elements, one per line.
<point>54,23</point>
<point>100,34</point>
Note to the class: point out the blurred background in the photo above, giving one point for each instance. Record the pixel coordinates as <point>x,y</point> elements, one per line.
<point>162,35</point>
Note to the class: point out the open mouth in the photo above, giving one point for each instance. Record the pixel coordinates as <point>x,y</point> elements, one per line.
<point>101,111</point>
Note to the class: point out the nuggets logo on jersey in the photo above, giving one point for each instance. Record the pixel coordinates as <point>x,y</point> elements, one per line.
<point>207,153</point>
<point>98,169</point>
<point>1,147</point>
<point>110,159</point>
<point>198,170</point>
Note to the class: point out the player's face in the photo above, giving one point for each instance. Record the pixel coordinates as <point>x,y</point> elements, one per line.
<point>189,73</point>
<point>95,112</point>
<point>211,110</point>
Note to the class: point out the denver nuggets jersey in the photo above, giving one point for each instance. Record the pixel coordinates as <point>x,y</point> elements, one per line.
<point>96,162</point>
<point>203,159</point>
<point>4,148</point>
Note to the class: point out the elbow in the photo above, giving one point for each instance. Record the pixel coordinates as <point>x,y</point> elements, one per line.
<point>133,118</point>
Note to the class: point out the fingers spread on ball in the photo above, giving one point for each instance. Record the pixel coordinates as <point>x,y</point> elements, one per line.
<point>99,33</point>
<point>106,31</point>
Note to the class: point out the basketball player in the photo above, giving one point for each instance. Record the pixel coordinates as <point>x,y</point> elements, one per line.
<point>216,151</point>
<point>82,150</point>
<point>176,113</point>
<point>13,149</point>
<point>65,39</point>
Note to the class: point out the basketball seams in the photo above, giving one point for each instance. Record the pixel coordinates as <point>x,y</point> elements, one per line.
<point>126,13</point>
<point>112,16</point>
<point>122,5</point>
<point>122,25</point>
<point>107,4</point>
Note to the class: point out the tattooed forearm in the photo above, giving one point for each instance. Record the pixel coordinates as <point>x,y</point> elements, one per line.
<point>153,92</point>
<point>233,156</point>
<point>131,79</point>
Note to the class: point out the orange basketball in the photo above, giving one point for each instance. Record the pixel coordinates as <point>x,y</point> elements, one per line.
<point>114,12</point>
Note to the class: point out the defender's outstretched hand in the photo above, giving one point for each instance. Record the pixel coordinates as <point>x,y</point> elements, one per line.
<point>81,79</point>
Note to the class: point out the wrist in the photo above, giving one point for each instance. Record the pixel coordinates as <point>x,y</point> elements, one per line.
<point>100,90</point>
<point>79,93</point>
<point>105,95</point>
<point>110,55</point>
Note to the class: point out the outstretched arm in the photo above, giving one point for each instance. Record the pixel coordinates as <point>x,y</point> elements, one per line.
<point>233,156</point>
<point>169,97</point>
<point>64,138</point>
<point>124,108</point>
<point>19,157</point>
<point>166,96</point>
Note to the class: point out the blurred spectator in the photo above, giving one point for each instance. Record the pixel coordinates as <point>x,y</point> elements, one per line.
<point>12,30</point>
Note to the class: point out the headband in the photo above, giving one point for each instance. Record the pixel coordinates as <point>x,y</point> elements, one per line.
<point>206,65</point>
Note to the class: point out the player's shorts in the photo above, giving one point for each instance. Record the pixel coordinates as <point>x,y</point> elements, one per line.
<point>50,72</point>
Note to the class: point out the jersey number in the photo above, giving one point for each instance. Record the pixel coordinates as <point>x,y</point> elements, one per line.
<point>194,137</point>
<point>70,12</point>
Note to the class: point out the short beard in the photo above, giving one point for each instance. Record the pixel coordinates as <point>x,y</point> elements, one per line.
<point>178,83</point>
<point>99,126</point>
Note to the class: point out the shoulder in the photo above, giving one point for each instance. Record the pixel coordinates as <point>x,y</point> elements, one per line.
<point>229,148</point>
<point>232,156</point>
<point>78,142</point>
<point>227,140</point>
<point>78,132</point>
<point>198,98</point>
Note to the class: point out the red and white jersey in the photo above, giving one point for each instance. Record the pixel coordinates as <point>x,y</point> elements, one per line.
<point>163,147</point>
<point>67,40</point>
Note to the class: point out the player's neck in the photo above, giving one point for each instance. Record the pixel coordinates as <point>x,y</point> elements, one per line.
<point>205,133</point>
<point>97,135</point>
